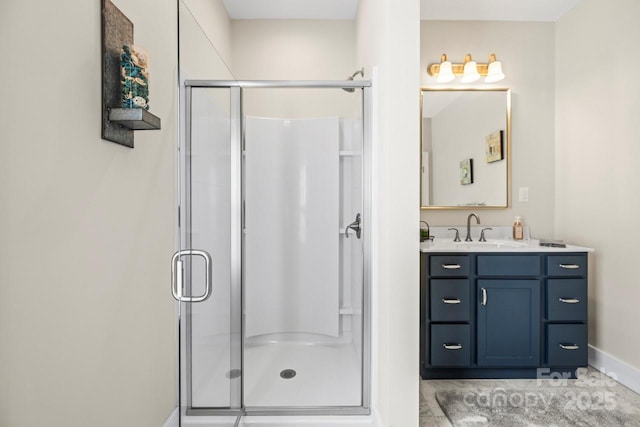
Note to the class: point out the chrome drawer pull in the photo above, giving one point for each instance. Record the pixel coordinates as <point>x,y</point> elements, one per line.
<point>451,301</point>
<point>452,346</point>
<point>570,266</point>
<point>451,266</point>
<point>569,346</point>
<point>484,296</point>
<point>569,300</point>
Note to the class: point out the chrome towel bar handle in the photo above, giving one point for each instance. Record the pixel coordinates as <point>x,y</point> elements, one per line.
<point>177,283</point>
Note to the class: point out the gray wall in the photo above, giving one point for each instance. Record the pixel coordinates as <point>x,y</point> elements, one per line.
<point>87,322</point>
<point>597,157</point>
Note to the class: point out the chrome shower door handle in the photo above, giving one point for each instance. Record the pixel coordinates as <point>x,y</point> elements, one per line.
<point>177,283</point>
<point>355,226</point>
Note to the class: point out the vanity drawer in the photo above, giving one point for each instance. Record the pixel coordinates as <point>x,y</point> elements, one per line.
<point>567,265</point>
<point>509,265</point>
<point>449,266</point>
<point>450,345</point>
<point>567,345</point>
<point>450,300</point>
<point>567,300</point>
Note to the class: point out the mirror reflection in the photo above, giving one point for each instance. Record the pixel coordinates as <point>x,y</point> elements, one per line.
<point>465,148</point>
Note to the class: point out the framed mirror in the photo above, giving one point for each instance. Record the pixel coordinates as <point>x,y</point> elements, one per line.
<point>465,148</point>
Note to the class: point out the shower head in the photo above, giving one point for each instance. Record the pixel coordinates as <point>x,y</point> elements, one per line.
<point>351,89</point>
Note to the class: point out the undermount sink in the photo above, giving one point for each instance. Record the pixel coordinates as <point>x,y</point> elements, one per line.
<point>498,240</point>
<point>440,244</point>
<point>492,244</point>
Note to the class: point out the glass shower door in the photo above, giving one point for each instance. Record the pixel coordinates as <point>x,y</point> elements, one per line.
<point>210,224</point>
<point>272,187</point>
<point>303,249</point>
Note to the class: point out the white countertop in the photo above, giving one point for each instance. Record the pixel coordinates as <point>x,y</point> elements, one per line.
<point>498,240</point>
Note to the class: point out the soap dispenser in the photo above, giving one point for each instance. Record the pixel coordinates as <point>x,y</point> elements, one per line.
<point>518,229</point>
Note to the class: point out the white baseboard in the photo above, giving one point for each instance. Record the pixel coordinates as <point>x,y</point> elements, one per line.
<point>622,372</point>
<point>173,420</point>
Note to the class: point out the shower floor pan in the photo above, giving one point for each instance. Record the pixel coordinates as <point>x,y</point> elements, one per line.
<point>291,374</point>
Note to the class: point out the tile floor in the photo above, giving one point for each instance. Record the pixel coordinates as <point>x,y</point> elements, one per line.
<point>432,416</point>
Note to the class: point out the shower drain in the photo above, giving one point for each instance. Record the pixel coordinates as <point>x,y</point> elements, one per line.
<point>287,374</point>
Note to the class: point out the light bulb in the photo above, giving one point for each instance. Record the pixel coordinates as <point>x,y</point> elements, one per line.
<point>470,73</point>
<point>494,72</point>
<point>446,72</point>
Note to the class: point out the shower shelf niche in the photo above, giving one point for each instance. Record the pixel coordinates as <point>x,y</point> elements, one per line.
<point>344,153</point>
<point>349,310</point>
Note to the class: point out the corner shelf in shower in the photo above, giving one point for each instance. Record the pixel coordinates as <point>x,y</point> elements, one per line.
<point>349,310</point>
<point>347,153</point>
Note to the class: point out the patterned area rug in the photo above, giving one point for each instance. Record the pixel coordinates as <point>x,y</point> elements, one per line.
<point>544,407</point>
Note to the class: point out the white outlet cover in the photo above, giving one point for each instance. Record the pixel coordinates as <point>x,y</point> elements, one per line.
<point>523,194</point>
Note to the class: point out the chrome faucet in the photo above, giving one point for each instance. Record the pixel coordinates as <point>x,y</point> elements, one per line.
<point>468,238</point>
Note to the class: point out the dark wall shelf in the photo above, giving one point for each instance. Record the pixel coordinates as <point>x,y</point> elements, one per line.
<point>118,123</point>
<point>134,118</point>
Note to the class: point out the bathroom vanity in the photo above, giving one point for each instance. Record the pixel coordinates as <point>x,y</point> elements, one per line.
<point>502,309</point>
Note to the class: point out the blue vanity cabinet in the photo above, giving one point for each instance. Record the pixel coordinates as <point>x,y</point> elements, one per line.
<point>502,314</point>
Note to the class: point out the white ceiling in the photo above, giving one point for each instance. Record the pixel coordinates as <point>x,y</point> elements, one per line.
<point>495,10</point>
<point>292,9</point>
<point>476,10</point>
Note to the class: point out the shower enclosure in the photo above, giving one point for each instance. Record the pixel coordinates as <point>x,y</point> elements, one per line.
<point>272,273</point>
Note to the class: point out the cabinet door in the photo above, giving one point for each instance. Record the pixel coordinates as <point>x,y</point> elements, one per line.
<point>509,323</point>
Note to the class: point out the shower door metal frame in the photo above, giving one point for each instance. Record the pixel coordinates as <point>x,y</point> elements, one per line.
<point>184,217</point>
<point>237,219</point>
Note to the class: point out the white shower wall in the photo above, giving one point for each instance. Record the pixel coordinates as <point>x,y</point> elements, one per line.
<point>303,276</point>
<point>291,226</point>
<point>303,186</point>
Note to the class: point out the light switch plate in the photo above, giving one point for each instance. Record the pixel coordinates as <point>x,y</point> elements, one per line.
<point>523,194</point>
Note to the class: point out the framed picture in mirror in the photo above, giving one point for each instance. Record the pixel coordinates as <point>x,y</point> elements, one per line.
<point>466,172</point>
<point>494,146</point>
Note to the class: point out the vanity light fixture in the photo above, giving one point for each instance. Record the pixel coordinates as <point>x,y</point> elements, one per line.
<point>470,71</point>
